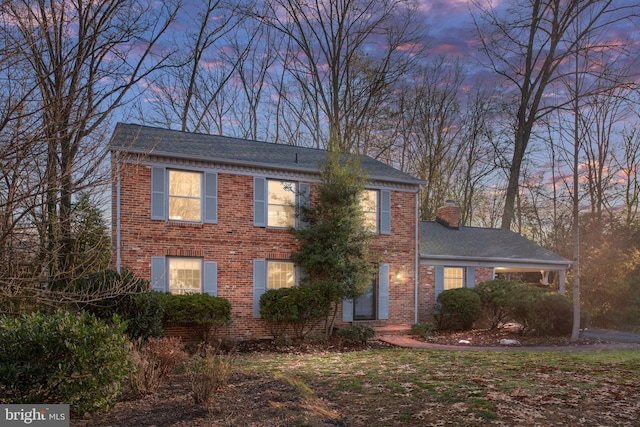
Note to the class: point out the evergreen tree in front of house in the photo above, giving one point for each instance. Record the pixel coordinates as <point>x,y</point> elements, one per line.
<point>334,249</point>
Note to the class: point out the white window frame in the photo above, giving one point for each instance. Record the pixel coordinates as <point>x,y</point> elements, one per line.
<point>270,280</point>
<point>171,196</point>
<point>171,278</point>
<point>271,221</point>
<point>456,278</point>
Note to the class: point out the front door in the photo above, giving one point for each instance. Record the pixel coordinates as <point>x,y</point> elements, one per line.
<point>364,306</point>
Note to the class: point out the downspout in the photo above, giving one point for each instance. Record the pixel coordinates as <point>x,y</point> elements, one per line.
<point>118,237</point>
<point>416,277</point>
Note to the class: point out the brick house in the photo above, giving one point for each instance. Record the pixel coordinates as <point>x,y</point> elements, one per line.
<point>206,213</point>
<point>453,256</point>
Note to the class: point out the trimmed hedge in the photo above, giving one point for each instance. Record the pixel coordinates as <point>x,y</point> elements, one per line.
<point>203,311</point>
<point>299,307</point>
<point>457,309</point>
<point>71,358</point>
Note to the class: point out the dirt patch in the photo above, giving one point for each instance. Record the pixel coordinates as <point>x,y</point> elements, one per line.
<point>247,400</point>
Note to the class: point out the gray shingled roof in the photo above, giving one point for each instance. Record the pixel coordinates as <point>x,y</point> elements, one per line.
<point>133,138</point>
<point>481,244</point>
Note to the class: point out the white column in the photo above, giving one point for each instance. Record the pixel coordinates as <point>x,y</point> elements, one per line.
<point>562,274</point>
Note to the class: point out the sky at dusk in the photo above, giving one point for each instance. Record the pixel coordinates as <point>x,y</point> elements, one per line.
<point>450,27</point>
<point>452,31</point>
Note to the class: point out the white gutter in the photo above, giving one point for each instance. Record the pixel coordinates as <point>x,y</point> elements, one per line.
<point>479,260</point>
<point>416,276</point>
<point>118,237</point>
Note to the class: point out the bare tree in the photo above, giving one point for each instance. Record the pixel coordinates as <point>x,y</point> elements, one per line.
<point>479,150</point>
<point>526,44</point>
<point>628,162</point>
<point>601,114</point>
<point>77,62</point>
<point>330,59</point>
<point>190,94</point>
<point>430,117</point>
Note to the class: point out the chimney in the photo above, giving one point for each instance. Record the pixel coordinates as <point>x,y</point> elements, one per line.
<point>449,215</point>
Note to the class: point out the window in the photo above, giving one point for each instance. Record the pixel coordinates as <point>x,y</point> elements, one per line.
<point>185,196</point>
<point>185,275</point>
<point>369,204</point>
<point>453,278</point>
<point>280,274</point>
<point>271,275</point>
<point>281,203</point>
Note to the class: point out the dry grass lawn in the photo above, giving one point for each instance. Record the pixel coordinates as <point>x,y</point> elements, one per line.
<point>401,387</point>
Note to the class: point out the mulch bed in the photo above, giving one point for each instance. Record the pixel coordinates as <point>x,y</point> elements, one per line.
<point>493,338</point>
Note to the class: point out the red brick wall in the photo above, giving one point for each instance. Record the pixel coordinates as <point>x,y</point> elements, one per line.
<point>483,274</point>
<point>234,243</point>
<point>426,293</point>
<point>426,289</point>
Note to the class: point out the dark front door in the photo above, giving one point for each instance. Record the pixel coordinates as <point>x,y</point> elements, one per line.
<point>364,306</point>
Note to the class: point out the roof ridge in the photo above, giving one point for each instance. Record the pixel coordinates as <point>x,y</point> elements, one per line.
<point>231,138</point>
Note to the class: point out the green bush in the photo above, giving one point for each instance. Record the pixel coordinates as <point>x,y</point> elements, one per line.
<point>75,359</point>
<point>625,312</point>
<point>457,309</point>
<point>299,307</point>
<point>494,295</point>
<point>130,298</point>
<point>540,311</point>
<point>144,314</point>
<point>422,329</point>
<point>356,333</point>
<point>202,311</point>
<point>553,314</point>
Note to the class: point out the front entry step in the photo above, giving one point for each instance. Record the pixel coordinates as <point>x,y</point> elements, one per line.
<point>402,329</point>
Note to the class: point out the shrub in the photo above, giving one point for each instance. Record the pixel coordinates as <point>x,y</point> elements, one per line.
<point>553,315</point>
<point>356,333</point>
<point>283,340</point>
<point>144,314</point>
<point>316,337</point>
<point>207,375</point>
<point>128,297</point>
<point>625,312</point>
<point>299,307</point>
<point>422,329</point>
<point>62,358</point>
<point>540,311</point>
<point>494,295</point>
<point>202,311</point>
<point>457,309</point>
<point>153,360</point>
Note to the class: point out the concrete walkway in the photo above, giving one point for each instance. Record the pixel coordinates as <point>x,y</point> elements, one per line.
<point>408,342</point>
